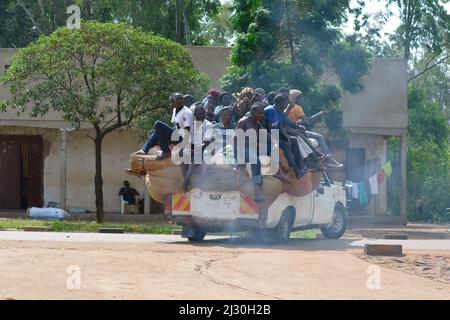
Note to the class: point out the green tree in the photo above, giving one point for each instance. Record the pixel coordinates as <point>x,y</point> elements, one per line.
<point>110,75</point>
<point>424,24</point>
<point>179,20</point>
<point>293,43</point>
<point>428,156</point>
<point>216,30</point>
<point>428,170</point>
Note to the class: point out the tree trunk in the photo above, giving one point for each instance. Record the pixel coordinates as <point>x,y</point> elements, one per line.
<point>290,36</point>
<point>98,177</point>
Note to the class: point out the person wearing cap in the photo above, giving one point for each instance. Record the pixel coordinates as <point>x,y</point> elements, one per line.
<point>210,102</point>
<point>261,92</point>
<point>295,113</point>
<point>182,119</point>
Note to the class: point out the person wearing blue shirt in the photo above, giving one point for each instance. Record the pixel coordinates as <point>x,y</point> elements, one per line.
<point>276,119</point>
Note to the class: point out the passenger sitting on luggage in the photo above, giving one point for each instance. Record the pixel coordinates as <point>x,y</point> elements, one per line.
<point>252,122</point>
<point>276,119</point>
<point>262,95</point>
<point>247,93</point>
<point>201,137</point>
<point>242,108</point>
<point>295,113</point>
<point>225,100</point>
<point>182,119</point>
<point>128,194</point>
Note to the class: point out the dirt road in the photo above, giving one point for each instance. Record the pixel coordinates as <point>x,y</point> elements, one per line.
<point>218,269</point>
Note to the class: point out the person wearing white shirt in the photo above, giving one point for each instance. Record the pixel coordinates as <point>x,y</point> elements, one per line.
<point>182,119</point>
<point>201,137</point>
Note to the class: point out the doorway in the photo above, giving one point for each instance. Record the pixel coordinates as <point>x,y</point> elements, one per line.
<point>21,171</point>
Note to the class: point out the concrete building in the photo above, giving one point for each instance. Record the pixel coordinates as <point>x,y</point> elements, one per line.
<point>42,160</point>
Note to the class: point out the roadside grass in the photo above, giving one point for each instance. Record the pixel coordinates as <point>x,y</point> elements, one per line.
<point>305,234</point>
<point>86,226</point>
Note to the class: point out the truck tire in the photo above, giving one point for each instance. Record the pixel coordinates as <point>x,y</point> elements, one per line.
<point>198,235</point>
<point>338,225</point>
<point>282,231</point>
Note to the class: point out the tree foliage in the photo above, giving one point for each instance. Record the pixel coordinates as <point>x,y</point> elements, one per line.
<point>110,75</point>
<point>422,36</point>
<point>428,156</point>
<point>179,20</point>
<point>428,170</point>
<point>216,30</point>
<point>294,43</point>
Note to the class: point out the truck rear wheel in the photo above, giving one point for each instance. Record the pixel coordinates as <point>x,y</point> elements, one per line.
<point>197,235</point>
<point>338,225</point>
<point>282,231</point>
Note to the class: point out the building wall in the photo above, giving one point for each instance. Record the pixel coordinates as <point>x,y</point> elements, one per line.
<point>211,60</point>
<point>383,104</point>
<point>117,146</point>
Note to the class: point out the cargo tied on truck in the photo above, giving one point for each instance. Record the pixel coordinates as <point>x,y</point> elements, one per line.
<point>250,165</point>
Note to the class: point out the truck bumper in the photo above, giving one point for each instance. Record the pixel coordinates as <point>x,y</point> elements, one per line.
<point>215,225</point>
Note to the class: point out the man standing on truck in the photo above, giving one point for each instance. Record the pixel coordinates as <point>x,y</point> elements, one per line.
<point>161,135</point>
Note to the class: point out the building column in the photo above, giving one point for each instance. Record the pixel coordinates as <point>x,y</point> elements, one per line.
<point>147,209</point>
<point>63,169</point>
<point>403,177</point>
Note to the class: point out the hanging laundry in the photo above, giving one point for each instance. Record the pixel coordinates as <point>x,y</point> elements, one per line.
<point>381,177</point>
<point>362,190</point>
<point>388,169</point>
<point>355,194</point>
<point>373,182</point>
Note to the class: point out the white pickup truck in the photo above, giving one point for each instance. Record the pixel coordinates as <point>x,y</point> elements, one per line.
<point>199,212</point>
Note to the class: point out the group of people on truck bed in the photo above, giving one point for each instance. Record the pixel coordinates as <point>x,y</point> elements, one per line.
<point>252,109</point>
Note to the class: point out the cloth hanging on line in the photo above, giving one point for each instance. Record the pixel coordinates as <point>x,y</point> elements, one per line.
<point>381,177</point>
<point>373,182</point>
<point>355,194</point>
<point>362,190</point>
<point>388,169</point>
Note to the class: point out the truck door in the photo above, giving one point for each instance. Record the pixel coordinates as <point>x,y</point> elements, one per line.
<point>304,207</point>
<point>323,205</point>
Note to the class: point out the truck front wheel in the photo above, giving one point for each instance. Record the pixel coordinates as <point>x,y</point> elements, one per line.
<point>338,224</point>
